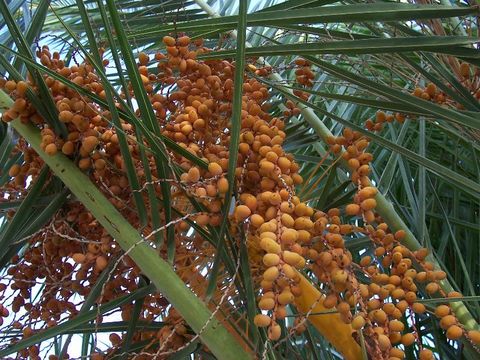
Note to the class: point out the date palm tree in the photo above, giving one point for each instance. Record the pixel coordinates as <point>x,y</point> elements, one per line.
<point>370,61</point>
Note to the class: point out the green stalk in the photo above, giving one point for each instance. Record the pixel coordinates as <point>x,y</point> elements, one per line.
<point>214,335</point>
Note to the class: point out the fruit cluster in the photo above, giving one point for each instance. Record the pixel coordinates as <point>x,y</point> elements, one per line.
<point>469,78</point>
<point>192,102</point>
<point>395,272</point>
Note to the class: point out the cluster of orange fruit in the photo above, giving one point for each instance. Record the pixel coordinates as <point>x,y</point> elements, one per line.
<point>303,76</point>
<point>396,273</point>
<point>284,234</point>
<point>381,118</point>
<point>469,78</point>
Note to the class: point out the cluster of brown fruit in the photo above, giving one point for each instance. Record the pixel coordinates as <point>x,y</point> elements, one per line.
<point>303,76</point>
<point>74,249</point>
<point>4,312</point>
<point>284,234</point>
<point>469,78</point>
<point>20,107</point>
<point>381,118</point>
<point>430,92</point>
<point>394,271</point>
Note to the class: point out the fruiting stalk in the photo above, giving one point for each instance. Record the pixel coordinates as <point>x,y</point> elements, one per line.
<point>330,325</point>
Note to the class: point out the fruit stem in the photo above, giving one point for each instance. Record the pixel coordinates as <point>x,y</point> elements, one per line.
<point>328,324</point>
